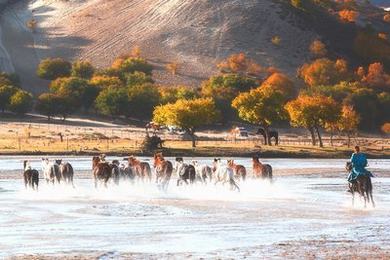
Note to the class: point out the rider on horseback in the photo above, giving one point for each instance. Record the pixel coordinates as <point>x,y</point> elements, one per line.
<point>359,164</point>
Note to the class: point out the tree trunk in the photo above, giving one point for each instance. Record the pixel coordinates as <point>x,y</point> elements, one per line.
<point>331,138</point>
<point>267,137</point>
<point>349,139</point>
<point>319,136</point>
<point>191,132</point>
<point>313,137</point>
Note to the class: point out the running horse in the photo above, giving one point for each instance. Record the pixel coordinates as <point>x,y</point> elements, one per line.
<point>164,171</point>
<point>261,170</point>
<point>31,176</point>
<point>101,170</point>
<point>239,170</point>
<point>185,172</point>
<point>140,169</point>
<point>362,185</point>
<point>66,171</point>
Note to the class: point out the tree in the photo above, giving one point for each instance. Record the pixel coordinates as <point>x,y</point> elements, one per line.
<point>324,72</point>
<point>6,93</point>
<point>240,64</point>
<point>187,114</point>
<point>318,48</point>
<point>137,78</point>
<point>82,69</point>
<point>172,67</point>
<point>103,81</point>
<point>261,106</point>
<point>51,69</point>
<point>172,94</point>
<point>312,112</point>
<point>50,104</point>
<point>74,89</point>
<point>112,101</point>
<point>386,128</point>
<point>376,77</point>
<point>279,82</point>
<point>348,15</point>
<point>132,65</point>
<point>9,79</point>
<point>348,122</point>
<point>21,102</point>
<point>141,101</point>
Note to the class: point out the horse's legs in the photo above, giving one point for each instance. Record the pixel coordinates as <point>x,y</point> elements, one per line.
<point>372,199</point>
<point>353,198</point>
<point>178,182</point>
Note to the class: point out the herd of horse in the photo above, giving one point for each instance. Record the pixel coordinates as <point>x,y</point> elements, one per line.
<point>187,173</point>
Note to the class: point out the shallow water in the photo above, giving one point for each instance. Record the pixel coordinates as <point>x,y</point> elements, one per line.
<point>140,218</point>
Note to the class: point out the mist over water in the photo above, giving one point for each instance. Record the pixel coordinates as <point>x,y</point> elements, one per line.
<point>200,218</point>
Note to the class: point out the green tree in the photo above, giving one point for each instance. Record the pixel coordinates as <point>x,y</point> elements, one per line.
<point>75,90</point>
<point>5,94</point>
<point>132,65</point>
<point>112,101</point>
<point>187,114</point>
<point>141,101</point>
<point>51,69</point>
<point>172,94</point>
<point>21,102</point>
<point>137,78</point>
<point>47,105</point>
<point>261,106</point>
<point>82,69</point>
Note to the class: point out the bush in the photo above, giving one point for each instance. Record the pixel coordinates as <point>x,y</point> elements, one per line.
<point>51,69</point>
<point>141,101</point>
<point>112,101</point>
<point>137,78</point>
<point>82,69</point>
<point>21,102</point>
<point>6,92</point>
<point>132,65</point>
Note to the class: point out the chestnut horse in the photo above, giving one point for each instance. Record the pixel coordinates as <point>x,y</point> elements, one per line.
<point>239,170</point>
<point>163,169</point>
<point>362,185</point>
<point>140,169</point>
<point>31,176</point>
<point>261,170</point>
<point>101,170</point>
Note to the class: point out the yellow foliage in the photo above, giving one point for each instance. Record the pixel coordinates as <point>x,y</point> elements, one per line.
<point>276,40</point>
<point>318,48</point>
<point>172,67</point>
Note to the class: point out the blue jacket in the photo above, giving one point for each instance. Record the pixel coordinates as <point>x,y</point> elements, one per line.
<point>359,163</point>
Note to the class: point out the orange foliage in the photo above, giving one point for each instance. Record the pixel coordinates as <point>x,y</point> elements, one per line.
<point>241,64</point>
<point>386,128</point>
<point>376,76</point>
<point>348,15</point>
<point>324,72</point>
<point>172,67</point>
<point>386,18</point>
<point>382,36</point>
<point>360,72</point>
<point>279,82</point>
<point>276,40</point>
<point>117,63</point>
<point>318,48</point>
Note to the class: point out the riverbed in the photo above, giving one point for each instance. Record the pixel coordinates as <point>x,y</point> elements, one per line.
<point>299,215</point>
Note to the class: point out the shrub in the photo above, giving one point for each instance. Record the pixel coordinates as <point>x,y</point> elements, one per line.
<point>82,69</point>
<point>21,102</point>
<point>51,69</point>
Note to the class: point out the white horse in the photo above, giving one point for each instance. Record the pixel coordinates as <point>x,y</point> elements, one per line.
<point>51,171</point>
<point>203,172</point>
<point>224,174</point>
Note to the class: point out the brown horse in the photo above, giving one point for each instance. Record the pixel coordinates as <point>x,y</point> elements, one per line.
<point>239,170</point>
<point>362,185</point>
<point>163,169</point>
<point>101,170</point>
<point>66,171</point>
<point>31,176</point>
<point>140,169</point>
<point>261,170</point>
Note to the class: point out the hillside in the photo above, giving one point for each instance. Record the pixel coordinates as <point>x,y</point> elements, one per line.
<point>195,34</point>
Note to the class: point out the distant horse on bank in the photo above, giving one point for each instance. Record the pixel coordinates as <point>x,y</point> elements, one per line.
<point>31,176</point>
<point>272,135</point>
<point>239,170</point>
<point>203,172</point>
<point>66,171</point>
<point>101,170</point>
<point>164,171</point>
<point>51,171</point>
<point>261,170</point>
<point>362,185</point>
<point>140,169</point>
<point>185,172</point>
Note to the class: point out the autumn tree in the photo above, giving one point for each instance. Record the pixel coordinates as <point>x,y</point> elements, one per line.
<point>187,114</point>
<point>21,102</point>
<point>82,69</point>
<point>318,48</point>
<point>313,112</point>
<point>386,18</point>
<point>279,82</point>
<point>6,93</point>
<point>240,64</point>
<point>112,101</point>
<point>386,128</point>
<point>132,65</point>
<point>376,77</point>
<point>51,69</point>
<point>348,122</point>
<point>261,106</point>
<point>103,81</point>
<point>324,72</point>
<point>172,67</point>
<point>137,78</point>
<point>172,94</point>
<point>348,15</point>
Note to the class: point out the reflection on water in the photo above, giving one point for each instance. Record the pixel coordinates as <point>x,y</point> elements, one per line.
<point>140,218</point>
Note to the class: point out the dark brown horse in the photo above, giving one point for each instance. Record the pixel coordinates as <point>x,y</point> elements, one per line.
<point>31,176</point>
<point>66,171</point>
<point>140,169</point>
<point>261,170</point>
<point>164,171</point>
<point>239,170</point>
<point>101,170</point>
<point>362,185</point>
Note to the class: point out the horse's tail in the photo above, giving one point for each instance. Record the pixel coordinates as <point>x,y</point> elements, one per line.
<point>269,171</point>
